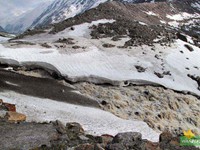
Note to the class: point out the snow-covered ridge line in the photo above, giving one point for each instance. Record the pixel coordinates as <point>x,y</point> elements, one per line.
<point>182,16</point>
<point>92,78</point>
<point>60,10</point>
<point>111,68</point>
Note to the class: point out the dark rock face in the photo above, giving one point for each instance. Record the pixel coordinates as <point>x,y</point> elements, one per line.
<point>140,69</point>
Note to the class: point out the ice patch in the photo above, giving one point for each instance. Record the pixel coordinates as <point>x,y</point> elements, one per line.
<point>151,13</point>
<point>3,39</point>
<point>182,16</point>
<point>10,83</point>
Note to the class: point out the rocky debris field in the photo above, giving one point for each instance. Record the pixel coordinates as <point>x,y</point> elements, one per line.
<point>139,34</point>
<point>160,108</point>
<point>56,136</point>
<point>119,11</point>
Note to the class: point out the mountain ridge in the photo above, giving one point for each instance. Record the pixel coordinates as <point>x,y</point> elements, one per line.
<point>60,10</point>
<point>22,23</point>
<point>57,11</point>
<point>2,29</point>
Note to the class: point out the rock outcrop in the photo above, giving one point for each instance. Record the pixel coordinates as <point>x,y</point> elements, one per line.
<point>8,113</point>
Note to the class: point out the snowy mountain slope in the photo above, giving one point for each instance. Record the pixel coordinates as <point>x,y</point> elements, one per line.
<point>1,29</point>
<point>3,39</point>
<point>60,10</point>
<point>161,13</point>
<point>165,65</point>
<point>23,22</point>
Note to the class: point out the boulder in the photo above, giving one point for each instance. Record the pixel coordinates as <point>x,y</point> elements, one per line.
<point>181,37</point>
<point>165,137</point>
<point>127,137</point>
<point>10,107</point>
<point>15,117</point>
<point>7,106</point>
<point>107,45</point>
<point>107,138</point>
<point>140,69</point>
<point>151,146</point>
<point>74,130</point>
<point>126,141</point>
<point>190,48</point>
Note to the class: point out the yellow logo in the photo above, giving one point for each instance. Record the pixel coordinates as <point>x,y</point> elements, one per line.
<point>188,134</point>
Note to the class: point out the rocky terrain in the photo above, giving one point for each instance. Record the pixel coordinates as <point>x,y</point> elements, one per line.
<point>54,135</point>
<point>128,70</point>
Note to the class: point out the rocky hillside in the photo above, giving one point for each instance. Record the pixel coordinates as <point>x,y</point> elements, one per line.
<point>59,10</point>
<point>184,15</point>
